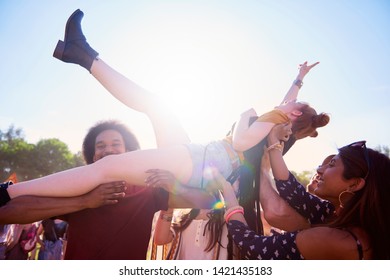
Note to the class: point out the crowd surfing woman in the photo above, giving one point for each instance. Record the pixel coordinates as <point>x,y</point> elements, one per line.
<point>355,185</point>
<point>185,160</point>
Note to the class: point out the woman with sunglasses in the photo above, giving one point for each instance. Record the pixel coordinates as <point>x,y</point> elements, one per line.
<point>185,160</point>
<point>354,185</point>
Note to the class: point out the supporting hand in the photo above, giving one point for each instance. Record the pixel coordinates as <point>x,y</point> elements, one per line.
<point>280,132</point>
<point>105,194</point>
<point>162,179</point>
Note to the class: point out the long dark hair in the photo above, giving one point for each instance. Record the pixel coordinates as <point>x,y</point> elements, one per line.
<point>369,208</point>
<point>249,184</point>
<point>305,125</point>
<point>249,181</point>
<point>214,225</point>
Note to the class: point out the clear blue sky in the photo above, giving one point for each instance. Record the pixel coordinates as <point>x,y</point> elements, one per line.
<point>210,59</point>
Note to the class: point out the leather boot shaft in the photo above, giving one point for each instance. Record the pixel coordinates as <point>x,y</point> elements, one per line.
<point>74,48</point>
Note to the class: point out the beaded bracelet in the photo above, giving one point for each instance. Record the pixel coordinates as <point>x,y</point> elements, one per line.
<point>231,211</point>
<point>276,146</point>
<point>166,217</point>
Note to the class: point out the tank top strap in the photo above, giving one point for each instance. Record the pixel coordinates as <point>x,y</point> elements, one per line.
<point>358,244</point>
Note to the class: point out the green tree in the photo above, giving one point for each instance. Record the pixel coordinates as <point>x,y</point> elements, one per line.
<point>15,153</point>
<point>303,177</point>
<point>31,161</point>
<point>78,159</point>
<point>53,156</point>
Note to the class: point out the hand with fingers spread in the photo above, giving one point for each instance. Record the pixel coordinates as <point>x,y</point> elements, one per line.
<point>105,194</point>
<point>292,93</point>
<point>304,69</point>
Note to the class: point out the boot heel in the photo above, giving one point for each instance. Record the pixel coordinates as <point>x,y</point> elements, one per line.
<point>59,50</point>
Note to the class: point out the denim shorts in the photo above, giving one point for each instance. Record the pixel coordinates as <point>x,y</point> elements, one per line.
<point>213,155</point>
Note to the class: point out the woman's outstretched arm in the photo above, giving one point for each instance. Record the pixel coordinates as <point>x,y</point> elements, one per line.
<point>292,93</point>
<point>247,135</point>
<point>278,165</point>
<point>277,212</point>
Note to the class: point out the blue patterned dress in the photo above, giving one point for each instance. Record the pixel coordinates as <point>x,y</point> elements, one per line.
<point>281,246</point>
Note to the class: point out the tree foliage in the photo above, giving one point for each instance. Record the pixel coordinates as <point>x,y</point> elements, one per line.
<point>31,161</point>
<point>303,177</point>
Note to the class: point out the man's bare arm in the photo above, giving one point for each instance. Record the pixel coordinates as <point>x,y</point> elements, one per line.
<point>28,209</point>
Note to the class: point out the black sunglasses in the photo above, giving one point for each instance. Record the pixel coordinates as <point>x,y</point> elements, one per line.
<point>362,144</point>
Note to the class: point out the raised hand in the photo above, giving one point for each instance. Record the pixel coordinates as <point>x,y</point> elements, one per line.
<point>304,69</point>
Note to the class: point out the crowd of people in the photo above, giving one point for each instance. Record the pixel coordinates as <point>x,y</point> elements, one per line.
<point>229,199</point>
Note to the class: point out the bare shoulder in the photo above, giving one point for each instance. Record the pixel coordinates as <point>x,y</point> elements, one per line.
<point>322,243</point>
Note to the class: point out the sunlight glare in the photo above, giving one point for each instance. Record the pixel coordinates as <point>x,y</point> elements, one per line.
<point>199,68</point>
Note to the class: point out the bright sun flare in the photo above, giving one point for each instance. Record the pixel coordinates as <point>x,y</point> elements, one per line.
<point>198,71</point>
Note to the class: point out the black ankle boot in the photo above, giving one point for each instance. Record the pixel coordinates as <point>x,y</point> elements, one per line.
<point>74,48</point>
<point>4,196</point>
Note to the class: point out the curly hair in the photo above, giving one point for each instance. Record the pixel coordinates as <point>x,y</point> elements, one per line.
<point>131,142</point>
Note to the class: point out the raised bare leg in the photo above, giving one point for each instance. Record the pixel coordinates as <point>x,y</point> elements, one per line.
<point>167,128</point>
<point>129,167</point>
<point>75,49</point>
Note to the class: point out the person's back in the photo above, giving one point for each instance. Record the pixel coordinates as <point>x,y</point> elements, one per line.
<point>195,239</point>
<point>53,233</point>
<point>194,234</point>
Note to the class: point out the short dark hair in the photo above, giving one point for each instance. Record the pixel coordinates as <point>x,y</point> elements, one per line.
<point>131,142</point>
